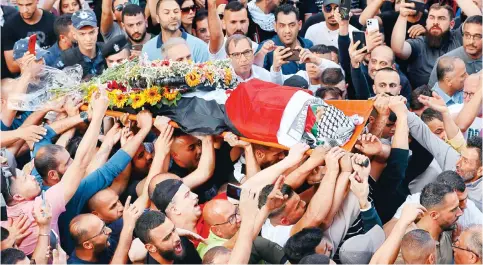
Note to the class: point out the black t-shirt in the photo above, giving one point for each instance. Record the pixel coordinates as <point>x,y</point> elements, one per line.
<point>191,256</point>
<point>8,12</point>
<point>389,19</point>
<point>16,29</point>
<point>221,175</point>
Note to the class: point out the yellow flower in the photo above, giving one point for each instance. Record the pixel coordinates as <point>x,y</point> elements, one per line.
<point>192,79</point>
<point>138,100</point>
<point>228,76</point>
<point>170,94</point>
<point>90,90</point>
<point>152,95</point>
<point>210,76</point>
<point>118,98</point>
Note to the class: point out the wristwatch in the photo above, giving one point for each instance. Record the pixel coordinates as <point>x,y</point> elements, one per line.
<point>84,116</point>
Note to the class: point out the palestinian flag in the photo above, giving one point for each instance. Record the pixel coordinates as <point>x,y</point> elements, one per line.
<point>286,115</point>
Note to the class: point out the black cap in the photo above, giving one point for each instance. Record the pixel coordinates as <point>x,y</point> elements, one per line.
<point>297,81</point>
<point>164,193</point>
<point>114,45</point>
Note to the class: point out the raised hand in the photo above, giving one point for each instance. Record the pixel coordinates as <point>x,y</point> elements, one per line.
<point>32,133</point>
<point>248,204</point>
<point>165,140</point>
<point>137,251</point>
<point>276,199</point>
<point>369,144</point>
<point>407,9</point>
<point>144,120</point>
<point>346,162</point>
<point>126,135</point>
<point>416,31</point>
<point>191,235</point>
<point>131,214</point>
<point>59,255</point>
<point>318,154</point>
<point>279,57</point>
<point>72,105</point>
<point>306,56</point>
<point>398,105</point>
<point>161,122</point>
<point>359,163</point>
<point>412,212</point>
<point>435,102</point>
<point>381,104</point>
<point>99,102</point>
<point>296,153</point>
<point>356,55</point>
<point>114,134</point>
<point>268,46</point>
<point>42,214</point>
<point>360,188</point>
<point>234,141</point>
<point>374,39</point>
<point>17,230</point>
<point>332,159</point>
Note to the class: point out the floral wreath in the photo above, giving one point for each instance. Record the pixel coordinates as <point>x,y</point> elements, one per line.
<point>162,82</point>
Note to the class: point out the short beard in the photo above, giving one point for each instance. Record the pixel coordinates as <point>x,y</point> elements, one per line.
<point>436,41</point>
<point>172,30</point>
<point>467,176</point>
<point>140,39</point>
<point>450,228</point>
<point>171,255</point>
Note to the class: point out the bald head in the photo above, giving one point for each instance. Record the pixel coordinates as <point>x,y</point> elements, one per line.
<point>80,226</point>
<point>215,211</point>
<point>473,235</point>
<point>446,66</point>
<point>383,50</point>
<point>417,247</point>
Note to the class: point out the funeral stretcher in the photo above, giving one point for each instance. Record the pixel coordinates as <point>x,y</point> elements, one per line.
<point>272,115</point>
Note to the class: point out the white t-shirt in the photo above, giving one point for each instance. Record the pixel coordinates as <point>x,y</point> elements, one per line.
<point>475,127</point>
<point>221,54</point>
<point>471,215</point>
<point>259,73</point>
<point>278,234</point>
<point>320,34</point>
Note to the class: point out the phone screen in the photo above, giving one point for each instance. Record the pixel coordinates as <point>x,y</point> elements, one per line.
<point>233,191</point>
<point>54,239</point>
<point>295,56</point>
<point>345,8</point>
<point>359,36</point>
<point>32,43</point>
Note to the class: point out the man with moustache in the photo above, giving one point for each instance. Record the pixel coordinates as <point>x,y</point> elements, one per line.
<point>135,25</point>
<point>470,52</point>
<point>169,16</point>
<point>235,21</point>
<point>422,52</point>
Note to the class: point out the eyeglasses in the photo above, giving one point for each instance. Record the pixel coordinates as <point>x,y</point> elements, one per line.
<point>328,8</point>
<point>468,94</point>
<point>247,54</point>
<point>103,231</point>
<point>189,9</point>
<point>476,37</point>
<point>120,7</point>
<point>232,219</point>
<point>464,249</point>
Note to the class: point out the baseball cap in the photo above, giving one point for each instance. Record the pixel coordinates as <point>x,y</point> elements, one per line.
<point>296,81</point>
<point>164,192</point>
<point>328,2</point>
<point>114,45</point>
<point>22,46</point>
<point>361,248</point>
<point>84,18</point>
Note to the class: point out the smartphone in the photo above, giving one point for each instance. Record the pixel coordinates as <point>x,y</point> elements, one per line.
<point>345,8</point>
<point>54,239</point>
<point>358,35</point>
<point>32,43</point>
<point>372,25</point>
<point>295,55</point>
<point>233,191</point>
<point>418,6</point>
<point>137,47</point>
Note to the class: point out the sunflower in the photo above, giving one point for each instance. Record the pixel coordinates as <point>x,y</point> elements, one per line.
<point>192,79</point>
<point>170,94</point>
<point>152,95</point>
<point>138,100</point>
<point>228,76</point>
<point>210,76</point>
<point>118,98</point>
<point>90,90</point>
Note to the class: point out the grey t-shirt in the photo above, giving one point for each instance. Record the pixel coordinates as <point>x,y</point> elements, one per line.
<point>472,65</point>
<point>115,30</point>
<point>422,59</point>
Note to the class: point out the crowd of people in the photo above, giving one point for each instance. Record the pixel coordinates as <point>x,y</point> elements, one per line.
<point>80,187</point>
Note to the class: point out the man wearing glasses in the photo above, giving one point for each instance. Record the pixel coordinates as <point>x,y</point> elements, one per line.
<point>470,52</point>
<point>239,50</point>
<point>467,248</point>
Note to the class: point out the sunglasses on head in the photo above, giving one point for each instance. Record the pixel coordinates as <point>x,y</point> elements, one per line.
<point>293,3</point>
<point>120,7</point>
<point>329,8</point>
<point>188,9</point>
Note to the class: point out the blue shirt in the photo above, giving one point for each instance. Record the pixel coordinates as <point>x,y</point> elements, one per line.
<point>46,140</point>
<point>457,97</point>
<point>53,59</point>
<point>17,121</point>
<point>198,48</point>
<point>90,185</point>
<point>291,67</point>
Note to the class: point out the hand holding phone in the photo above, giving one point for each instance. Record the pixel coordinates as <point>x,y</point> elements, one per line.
<point>359,36</point>
<point>32,44</point>
<point>295,57</point>
<point>418,6</point>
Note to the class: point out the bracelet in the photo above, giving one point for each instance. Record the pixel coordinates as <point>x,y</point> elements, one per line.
<point>44,235</point>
